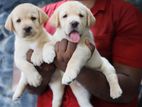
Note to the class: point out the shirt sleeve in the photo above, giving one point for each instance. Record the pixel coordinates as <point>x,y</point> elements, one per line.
<point>127,46</point>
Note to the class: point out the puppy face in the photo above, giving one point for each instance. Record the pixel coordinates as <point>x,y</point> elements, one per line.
<point>73,18</point>
<point>26,21</point>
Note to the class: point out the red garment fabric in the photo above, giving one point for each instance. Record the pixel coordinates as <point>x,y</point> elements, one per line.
<point>118,37</point>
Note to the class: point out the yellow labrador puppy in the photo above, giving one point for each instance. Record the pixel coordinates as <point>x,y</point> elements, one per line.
<point>26,21</point>
<point>73,20</point>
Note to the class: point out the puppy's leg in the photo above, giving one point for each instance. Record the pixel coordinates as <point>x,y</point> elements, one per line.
<point>109,71</point>
<point>57,89</point>
<point>31,74</point>
<point>101,64</point>
<point>36,57</point>
<point>77,61</point>
<point>48,53</point>
<point>81,94</point>
<point>20,88</point>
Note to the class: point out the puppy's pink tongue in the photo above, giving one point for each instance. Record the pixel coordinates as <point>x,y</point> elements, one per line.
<point>75,37</point>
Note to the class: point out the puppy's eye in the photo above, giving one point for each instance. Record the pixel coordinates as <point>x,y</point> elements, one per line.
<point>65,16</point>
<point>33,18</point>
<point>18,20</point>
<point>81,15</point>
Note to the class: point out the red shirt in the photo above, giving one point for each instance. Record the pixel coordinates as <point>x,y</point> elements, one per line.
<point>118,37</point>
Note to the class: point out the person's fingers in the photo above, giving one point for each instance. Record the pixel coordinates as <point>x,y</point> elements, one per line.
<point>29,54</point>
<point>71,46</point>
<point>70,49</point>
<point>57,47</point>
<point>60,50</point>
<point>63,45</point>
<point>90,45</point>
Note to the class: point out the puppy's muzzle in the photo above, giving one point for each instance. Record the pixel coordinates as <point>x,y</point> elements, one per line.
<point>74,24</point>
<point>27,29</point>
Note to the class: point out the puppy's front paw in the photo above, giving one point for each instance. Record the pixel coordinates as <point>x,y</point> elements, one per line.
<point>34,78</point>
<point>49,54</point>
<point>115,92</point>
<point>15,97</point>
<point>36,58</point>
<point>68,77</point>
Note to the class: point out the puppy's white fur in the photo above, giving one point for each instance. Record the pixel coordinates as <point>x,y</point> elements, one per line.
<point>26,21</point>
<point>62,18</point>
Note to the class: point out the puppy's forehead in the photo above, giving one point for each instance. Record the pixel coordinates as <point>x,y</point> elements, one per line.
<point>25,10</point>
<point>72,7</point>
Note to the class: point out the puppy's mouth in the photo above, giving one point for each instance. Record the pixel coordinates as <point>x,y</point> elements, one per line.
<point>74,36</point>
<point>28,34</point>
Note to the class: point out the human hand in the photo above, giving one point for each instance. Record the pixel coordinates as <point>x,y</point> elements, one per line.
<point>64,50</point>
<point>46,71</point>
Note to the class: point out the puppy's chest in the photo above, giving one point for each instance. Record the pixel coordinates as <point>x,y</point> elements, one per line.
<point>33,45</point>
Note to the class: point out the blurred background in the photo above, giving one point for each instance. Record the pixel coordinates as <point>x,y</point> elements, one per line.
<point>6,55</point>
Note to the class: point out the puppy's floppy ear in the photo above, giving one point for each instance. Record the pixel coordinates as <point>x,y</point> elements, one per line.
<point>54,19</point>
<point>9,23</point>
<point>90,18</point>
<point>42,16</point>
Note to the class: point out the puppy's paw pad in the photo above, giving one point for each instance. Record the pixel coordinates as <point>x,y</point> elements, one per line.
<point>36,58</point>
<point>68,78</point>
<point>49,54</point>
<point>34,79</point>
<point>115,92</point>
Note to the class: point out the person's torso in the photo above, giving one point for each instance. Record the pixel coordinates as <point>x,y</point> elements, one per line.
<point>103,32</point>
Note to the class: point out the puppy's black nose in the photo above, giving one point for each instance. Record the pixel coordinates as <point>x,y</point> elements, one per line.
<point>28,29</point>
<point>74,24</point>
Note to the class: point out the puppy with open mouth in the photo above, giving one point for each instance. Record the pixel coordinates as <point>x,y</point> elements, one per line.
<point>26,21</point>
<point>73,21</point>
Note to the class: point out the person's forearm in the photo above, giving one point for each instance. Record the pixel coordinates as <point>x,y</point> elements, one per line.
<point>97,84</point>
